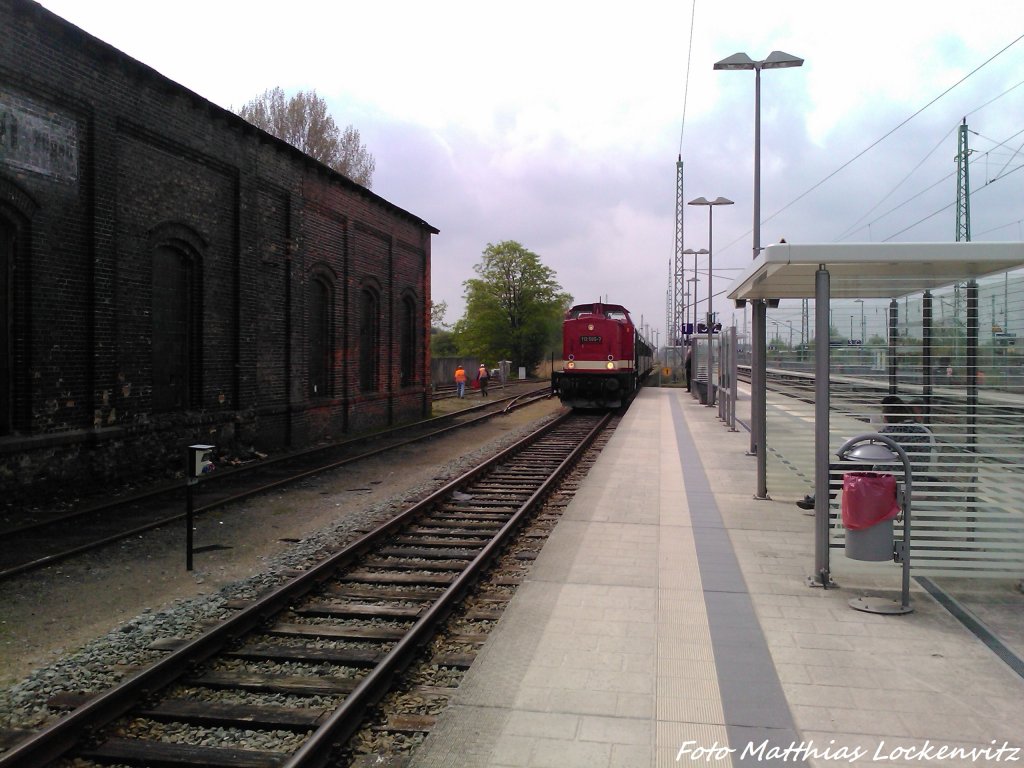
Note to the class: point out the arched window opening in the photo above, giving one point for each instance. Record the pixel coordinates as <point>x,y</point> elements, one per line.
<point>175,317</point>
<point>321,348</point>
<point>7,241</point>
<point>407,342</point>
<point>369,341</point>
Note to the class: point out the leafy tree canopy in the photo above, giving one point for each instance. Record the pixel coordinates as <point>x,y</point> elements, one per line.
<point>442,344</point>
<point>304,122</point>
<point>514,307</point>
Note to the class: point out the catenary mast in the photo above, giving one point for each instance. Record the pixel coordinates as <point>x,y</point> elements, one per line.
<point>675,330</point>
<point>963,187</point>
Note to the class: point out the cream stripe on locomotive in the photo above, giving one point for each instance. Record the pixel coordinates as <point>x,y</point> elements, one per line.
<point>596,365</point>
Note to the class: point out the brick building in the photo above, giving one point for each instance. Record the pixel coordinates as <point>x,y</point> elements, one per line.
<point>171,274</point>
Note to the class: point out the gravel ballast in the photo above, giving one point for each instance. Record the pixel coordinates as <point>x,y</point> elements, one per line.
<point>83,626</point>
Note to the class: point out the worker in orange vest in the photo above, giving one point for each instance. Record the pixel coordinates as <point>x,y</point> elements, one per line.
<point>460,380</point>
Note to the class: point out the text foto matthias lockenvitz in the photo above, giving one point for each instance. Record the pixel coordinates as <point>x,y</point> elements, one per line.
<point>925,752</point>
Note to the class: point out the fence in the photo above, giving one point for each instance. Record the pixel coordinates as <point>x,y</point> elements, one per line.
<point>952,355</point>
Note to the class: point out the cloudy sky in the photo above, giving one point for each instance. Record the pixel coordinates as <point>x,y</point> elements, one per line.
<point>557,123</point>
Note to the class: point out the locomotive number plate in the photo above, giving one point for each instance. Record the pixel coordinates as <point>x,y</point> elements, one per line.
<point>591,339</point>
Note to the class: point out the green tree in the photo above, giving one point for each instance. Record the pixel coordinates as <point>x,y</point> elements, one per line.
<point>304,122</point>
<point>442,344</point>
<point>438,309</point>
<point>514,307</point>
<point>442,339</point>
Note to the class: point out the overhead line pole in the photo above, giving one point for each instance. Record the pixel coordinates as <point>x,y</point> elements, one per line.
<point>678,284</point>
<point>963,187</point>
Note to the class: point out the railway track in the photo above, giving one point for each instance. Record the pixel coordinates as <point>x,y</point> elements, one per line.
<point>296,670</point>
<point>42,538</point>
<point>994,417</point>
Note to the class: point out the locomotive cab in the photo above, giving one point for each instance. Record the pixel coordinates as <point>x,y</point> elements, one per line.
<point>604,359</point>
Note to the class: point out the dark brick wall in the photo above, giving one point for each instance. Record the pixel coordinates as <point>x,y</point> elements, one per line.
<point>112,160</point>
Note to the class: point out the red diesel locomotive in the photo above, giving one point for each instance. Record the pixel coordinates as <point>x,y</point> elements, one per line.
<point>604,357</point>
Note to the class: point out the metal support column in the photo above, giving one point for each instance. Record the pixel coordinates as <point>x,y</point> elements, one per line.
<point>894,338</point>
<point>972,363</point>
<point>758,377</point>
<point>926,356</point>
<point>733,381</point>
<point>822,355</point>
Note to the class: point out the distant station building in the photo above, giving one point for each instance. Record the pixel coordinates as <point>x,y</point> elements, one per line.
<point>170,273</point>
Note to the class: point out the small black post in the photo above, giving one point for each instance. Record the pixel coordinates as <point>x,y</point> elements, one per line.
<point>189,518</point>
<point>198,462</point>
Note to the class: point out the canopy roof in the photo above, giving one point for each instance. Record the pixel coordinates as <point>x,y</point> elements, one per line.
<point>871,270</point>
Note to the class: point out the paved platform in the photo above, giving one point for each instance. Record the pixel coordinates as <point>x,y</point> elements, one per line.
<point>667,622</point>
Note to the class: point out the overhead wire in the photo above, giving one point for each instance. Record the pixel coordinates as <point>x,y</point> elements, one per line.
<point>854,228</point>
<point>950,205</point>
<point>850,230</point>
<point>1018,222</point>
<point>1008,160</point>
<point>920,221</point>
<point>910,199</point>
<point>896,128</point>
<point>889,133</point>
<point>995,98</point>
<point>686,82</point>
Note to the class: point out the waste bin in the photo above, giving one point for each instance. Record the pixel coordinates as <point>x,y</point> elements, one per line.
<point>872,544</point>
<point>869,506</point>
<point>701,390</point>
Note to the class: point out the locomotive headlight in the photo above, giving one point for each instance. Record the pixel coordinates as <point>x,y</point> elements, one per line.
<point>610,365</point>
<point>590,326</point>
<point>570,364</point>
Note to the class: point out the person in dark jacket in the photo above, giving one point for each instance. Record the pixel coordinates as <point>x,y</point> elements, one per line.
<point>916,439</point>
<point>482,376</point>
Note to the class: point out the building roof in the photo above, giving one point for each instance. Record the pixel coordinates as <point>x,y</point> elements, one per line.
<point>870,270</point>
<point>104,49</point>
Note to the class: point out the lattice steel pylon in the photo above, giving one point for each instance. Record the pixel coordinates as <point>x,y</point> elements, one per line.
<point>670,311</point>
<point>963,187</point>
<point>675,333</point>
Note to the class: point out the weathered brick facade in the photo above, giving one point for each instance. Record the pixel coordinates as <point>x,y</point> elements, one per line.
<point>158,257</point>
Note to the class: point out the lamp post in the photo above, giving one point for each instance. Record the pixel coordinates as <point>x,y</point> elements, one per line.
<point>775,60</point>
<point>686,307</point>
<point>701,252</point>
<point>692,293</point>
<point>711,317</point>
<point>863,331</point>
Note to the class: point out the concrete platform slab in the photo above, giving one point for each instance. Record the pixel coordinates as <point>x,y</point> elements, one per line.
<point>667,622</point>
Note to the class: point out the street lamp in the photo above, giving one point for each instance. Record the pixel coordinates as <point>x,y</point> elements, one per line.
<point>701,252</point>
<point>711,207</point>
<point>863,340</point>
<point>775,60</point>
<point>692,293</point>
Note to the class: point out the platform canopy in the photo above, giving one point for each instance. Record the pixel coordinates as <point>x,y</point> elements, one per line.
<point>871,270</point>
